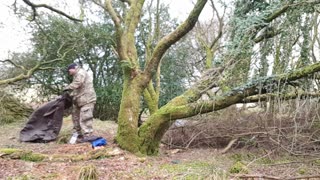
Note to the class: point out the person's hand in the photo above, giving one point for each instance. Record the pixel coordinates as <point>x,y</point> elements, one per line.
<point>66,90</point>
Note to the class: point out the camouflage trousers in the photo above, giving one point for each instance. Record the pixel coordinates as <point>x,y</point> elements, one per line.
<point>82,118</point>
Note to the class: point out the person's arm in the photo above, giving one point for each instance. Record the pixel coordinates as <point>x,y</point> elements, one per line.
<point>78,81</point>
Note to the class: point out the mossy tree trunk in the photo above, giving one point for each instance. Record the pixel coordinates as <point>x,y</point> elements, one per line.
<point>132,86</point>
<point>151,132</point>
<point>151,93</point>
<point>128,115</point>
<point>135,80</point>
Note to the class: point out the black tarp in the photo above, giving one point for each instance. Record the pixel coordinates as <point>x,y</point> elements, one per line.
<point>45,122</point>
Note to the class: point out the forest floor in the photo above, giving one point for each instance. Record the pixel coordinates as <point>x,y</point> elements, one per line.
<point>204,163</point>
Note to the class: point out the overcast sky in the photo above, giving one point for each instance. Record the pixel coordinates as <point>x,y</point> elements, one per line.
<point>14,37</point>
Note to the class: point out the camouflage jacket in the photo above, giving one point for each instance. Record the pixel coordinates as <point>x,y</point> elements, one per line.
<point>83,92</point>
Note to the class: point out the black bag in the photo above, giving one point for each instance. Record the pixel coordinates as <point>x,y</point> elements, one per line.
<point>45,122</point>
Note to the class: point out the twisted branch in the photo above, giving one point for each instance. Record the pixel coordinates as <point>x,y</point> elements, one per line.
<point>35,6</point>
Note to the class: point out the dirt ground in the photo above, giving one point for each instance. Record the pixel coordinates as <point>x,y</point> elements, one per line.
<point>205,163</point>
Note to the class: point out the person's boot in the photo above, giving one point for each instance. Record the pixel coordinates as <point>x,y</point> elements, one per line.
<point>87,137</point>
<point>80,139</point>
<point>74,138</point>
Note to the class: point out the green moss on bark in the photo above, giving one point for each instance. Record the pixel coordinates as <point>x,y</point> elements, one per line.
<point>127,133</point>
<point>37,157</point>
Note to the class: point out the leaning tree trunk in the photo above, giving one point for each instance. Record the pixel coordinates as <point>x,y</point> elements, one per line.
<point>152,131</point>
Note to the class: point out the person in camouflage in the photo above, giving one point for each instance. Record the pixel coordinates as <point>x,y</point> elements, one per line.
<point>84,99</point>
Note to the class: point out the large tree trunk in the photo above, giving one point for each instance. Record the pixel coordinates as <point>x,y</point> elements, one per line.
<point>127,134</point>
<point>128,115</point>
<point>135,80</point>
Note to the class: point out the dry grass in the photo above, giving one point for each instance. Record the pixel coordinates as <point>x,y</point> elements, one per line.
<point>287,129</point>
<point>200,157</point>
<point>88,173</point>
<point>11,109</point>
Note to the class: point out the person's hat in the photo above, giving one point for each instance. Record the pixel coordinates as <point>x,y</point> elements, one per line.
<point>72,66</point>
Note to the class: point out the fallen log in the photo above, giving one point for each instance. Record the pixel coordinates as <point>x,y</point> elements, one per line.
<point>27,155</point>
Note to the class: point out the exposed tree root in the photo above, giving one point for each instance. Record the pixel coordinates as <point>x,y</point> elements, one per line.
<point>37,157</point>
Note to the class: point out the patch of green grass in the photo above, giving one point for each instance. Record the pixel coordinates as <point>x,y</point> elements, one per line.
<point>279,159</point>
<point>317,162</point>
<point>23,155</point>
<point>100,154</point>
<point>265,160</point>
<point>177,167</point>
<point>238,167</point>
<point>77,158</point>
<point>9,151</point>
<point>193,170</point>
<point>147,172</point>
<point>316,124</point>
<point>242,157</point>
<point>50,176</point>
<point>258,158</point>
<point>236,157</point>
<point>64,136</point>
<point>21,177</point>
<point>7,119</point>
<point>302,171</point>
<point>33,157</point>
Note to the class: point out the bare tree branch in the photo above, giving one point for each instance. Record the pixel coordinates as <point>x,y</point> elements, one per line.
<point>187,108</point>
<point>35,6</point>
<point>99,3</point>
<point>265,97</point>
<point>40,65</point>
<point>133,16</point>
<point>21,76</point>
<point>114,15</point>
<point>221,24</point>
<point>127,1</point>
<point>46,68</point>
<point>13,63</point>
<point>172,38</point>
